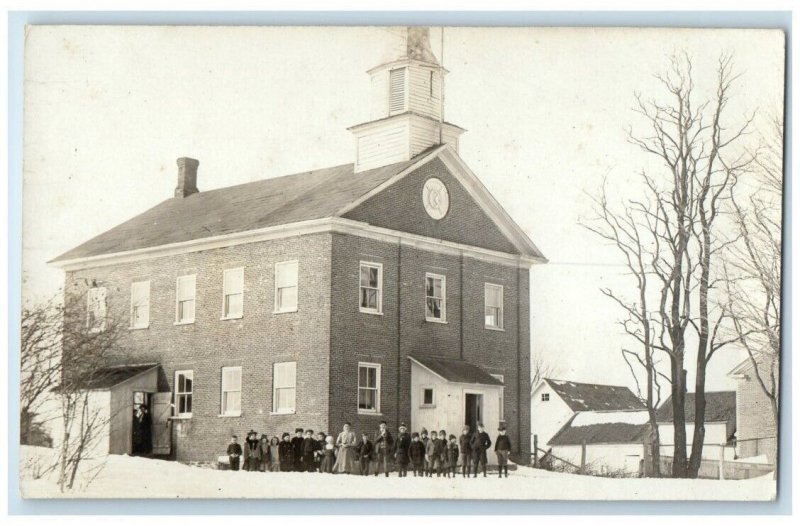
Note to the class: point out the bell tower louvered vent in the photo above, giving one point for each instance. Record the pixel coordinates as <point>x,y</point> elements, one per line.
<point>406,106</point>
<point>397,90</point>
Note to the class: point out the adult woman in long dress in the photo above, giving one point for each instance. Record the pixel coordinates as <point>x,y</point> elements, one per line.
<point>346,458</point>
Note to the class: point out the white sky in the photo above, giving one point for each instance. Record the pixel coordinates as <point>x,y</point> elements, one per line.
<point>109,109</point>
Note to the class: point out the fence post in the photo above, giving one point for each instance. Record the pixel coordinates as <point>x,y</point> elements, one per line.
<point>722,462</point>
<point>583,457</point>
<point>536,451</point>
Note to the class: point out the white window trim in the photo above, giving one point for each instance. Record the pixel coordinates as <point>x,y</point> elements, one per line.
<point>377,410</point>
<point>422,403</point>
<point>177,300</point>
<point>275,399</point>
<point>545,397</point>
<point>379,266</point>
<point>443,319</point>
<point>222,412</point>
<point>177,413</point>
<point>297,286</point>
<point>501,414</point>
<point>133,325</point>
<point>500,327</point>
<point>224,315</point>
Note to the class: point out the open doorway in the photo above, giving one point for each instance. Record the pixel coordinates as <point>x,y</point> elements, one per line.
<point>142,425</point>
<point>473,410</point>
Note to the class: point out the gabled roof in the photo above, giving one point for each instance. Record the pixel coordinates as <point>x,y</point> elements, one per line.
<point>292,199</point>
<point>595,397</point>
<point>457,371</point>
<point>720,407</point>
<point>607,433</point>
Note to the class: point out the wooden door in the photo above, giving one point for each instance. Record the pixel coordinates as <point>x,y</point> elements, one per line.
<point>161,404</point>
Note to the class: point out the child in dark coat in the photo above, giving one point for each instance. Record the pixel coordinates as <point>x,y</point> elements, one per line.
<point>286,452</point>
<point>440,452</point>
<point>480,443</point>
<point>264,445</point>
<point>401,451</point>
<point>309,448</point>
<point>234,452</point>
<point>297,447</point>
<point>466,451</point>
<point>417,453</point>
<point>318,453</point>
<point>452,454</point>
<point>364,451</point>
<point>328,456</point>
<point>252,452</point>
<point>502,448</point>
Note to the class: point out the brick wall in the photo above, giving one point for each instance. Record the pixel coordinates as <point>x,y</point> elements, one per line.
<point>401,330</point>
<point>254,342</point>
<point>754,418</point>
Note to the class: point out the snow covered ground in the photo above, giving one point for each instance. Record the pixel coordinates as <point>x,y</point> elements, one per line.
<point>131,477</point>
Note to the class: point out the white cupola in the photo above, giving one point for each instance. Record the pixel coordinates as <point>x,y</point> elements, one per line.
<point>406,107</point>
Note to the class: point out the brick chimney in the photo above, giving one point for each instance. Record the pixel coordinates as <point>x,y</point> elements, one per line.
<point>187,177</point>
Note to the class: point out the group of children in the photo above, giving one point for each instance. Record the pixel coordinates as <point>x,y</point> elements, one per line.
<point>439,453</point>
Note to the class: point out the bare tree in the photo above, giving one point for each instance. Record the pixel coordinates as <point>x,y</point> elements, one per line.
<point>541,369</point>
<point>669,238</point>
<point>753,272</point>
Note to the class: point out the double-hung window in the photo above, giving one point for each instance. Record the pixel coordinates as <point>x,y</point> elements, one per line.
<point>231,391</point>
<point>140,305</point>
<point>96,309</point>
<point>371,287</point>
<point>286,286</point>
<point>284,387</point>
<point>493,305</point>
<point>369,388</point>
<point>435,297</point>
<point>232,293</point>
<point>185,299</point>
<point>184,385</point>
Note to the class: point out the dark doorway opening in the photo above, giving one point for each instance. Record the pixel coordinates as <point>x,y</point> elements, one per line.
<point>142,425</point>
<point>472,410</point>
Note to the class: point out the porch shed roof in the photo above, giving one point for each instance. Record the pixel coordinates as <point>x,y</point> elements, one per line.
<point>457,371</point>
<point>108,377</point>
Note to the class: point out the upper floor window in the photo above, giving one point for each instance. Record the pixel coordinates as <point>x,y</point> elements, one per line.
<point>284,387</point>
<point>545,397</point>
<point>435,292</point>
<point>369,387</point>
<point>286,286</point>
<point>231,388</point>
<point>397,90</point>
<point>96,309</point>
<point>232,293</point>
<point>140,305</point>
<point>493,303</point>
<point>371,287</point>
<point>184,386</point>
<point>185,299</point>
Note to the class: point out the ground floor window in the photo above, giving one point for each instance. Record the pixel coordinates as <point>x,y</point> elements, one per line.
<point>369,387</point>
<point>184,385</point>
<point>284,387</point>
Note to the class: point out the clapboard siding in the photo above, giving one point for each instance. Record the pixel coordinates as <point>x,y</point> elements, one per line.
<point>383,147</point>
<point>420,98</point>
<point>424,134</point>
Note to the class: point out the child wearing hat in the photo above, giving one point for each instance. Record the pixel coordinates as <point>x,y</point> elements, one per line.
<point>466,450</point>
<point>234,452</point>
<point>502,448</point>
<point>452,455</point>
<point>286,453</point>
<point>297,446</point>
<point>401,450</point>
<point>417,453</point>
<point>252,451</point>
<point>318,453</point>
<point>479,443</point>
<point>441,454</point>
<point>423,437</point>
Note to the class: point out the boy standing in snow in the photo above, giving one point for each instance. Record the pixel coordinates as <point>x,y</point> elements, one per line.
<point>401,451</point>
<point>424,439</point>
<point>364,453</point>
<point>318,452</point>
<point>252,452</point>
<point>234,452</point>
<point>441,454</point>
<point>417,453</point>
<point>431,458</point>
<point>480,443</point>
<point>297,449</point>
<point>452,454</point>
<point>466,451</point>
<point>286,453</point>
<point>502,448</point>
<point>309,449</point>
<point>384,449</point>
